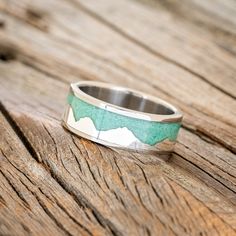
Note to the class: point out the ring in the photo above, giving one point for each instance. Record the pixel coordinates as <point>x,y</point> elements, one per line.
<point>120,117</point>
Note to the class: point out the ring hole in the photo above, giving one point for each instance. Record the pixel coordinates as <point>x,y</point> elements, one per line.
<point>126,99</point>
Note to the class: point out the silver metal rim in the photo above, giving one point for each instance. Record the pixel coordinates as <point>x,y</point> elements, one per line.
<point>175,117</point>
<point>154,129</point>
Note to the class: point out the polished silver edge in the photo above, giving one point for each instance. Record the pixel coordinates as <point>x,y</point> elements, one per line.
<point>176,117</point>
<point>162,148</point>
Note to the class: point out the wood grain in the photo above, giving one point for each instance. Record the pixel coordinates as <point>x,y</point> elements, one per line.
<point>205,105</point>
<point>122,187</point>
<point>32,202</point>
<point>173,38</point>
<point>54,183</point>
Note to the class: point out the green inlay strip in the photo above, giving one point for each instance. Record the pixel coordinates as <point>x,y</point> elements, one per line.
<point>148,132</point>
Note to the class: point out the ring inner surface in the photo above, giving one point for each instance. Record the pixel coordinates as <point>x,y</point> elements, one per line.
<point>126,99</point>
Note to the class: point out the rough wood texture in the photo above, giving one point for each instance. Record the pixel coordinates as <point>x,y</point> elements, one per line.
<point>54,183</point>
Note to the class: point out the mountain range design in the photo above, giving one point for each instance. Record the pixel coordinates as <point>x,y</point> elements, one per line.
<point>147,132</point>
<point>120,136</point>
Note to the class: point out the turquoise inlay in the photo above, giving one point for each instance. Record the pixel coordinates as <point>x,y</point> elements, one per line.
<point>148,132</point>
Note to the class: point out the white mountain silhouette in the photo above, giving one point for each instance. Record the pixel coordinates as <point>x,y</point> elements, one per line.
<point>119,136</point>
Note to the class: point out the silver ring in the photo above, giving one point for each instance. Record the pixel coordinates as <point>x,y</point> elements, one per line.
<point>120,117</point>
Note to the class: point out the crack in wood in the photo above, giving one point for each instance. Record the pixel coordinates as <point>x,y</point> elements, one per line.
<point>212,163</point>
<point>18,193</point>
<point>7,52</point>
<point>129,182</point>
<point>81,201</point>
<point>47,211</point>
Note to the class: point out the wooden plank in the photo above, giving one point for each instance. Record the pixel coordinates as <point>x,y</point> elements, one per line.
<point>125,64</point>
<point>216,13</point>
<point>118,192</point>
<point>198,50</point>
<point>215,16</point>
<point>64,27</point>
<point>134,194</point>
<point>32,202</point>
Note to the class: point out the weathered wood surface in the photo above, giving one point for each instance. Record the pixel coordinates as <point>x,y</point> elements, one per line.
<point>54,183</point>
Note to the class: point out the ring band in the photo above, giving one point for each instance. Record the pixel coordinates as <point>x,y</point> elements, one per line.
<point>120,117</point>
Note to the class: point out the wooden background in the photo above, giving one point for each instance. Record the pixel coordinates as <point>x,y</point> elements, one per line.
<point>54,183</point>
